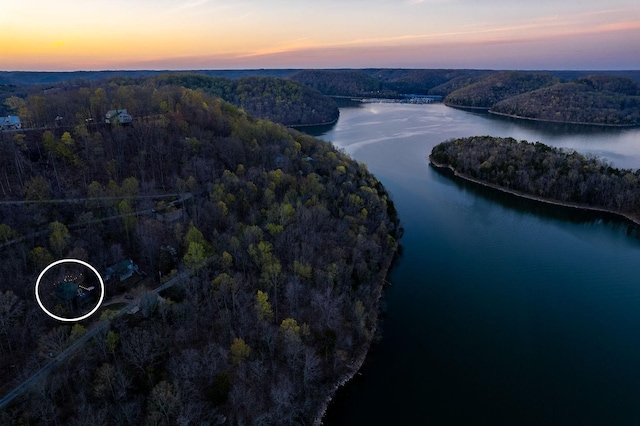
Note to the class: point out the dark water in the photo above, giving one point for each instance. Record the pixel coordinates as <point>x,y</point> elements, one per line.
<point>502,311</point>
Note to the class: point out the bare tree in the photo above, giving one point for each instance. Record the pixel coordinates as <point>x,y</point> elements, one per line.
<point>11,309</point>
<point>142,348</point>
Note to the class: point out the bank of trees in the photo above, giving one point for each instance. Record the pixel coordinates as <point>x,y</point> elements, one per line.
<point>390,82</point>
<point>76,103</point>
<point>542,171</point>
<point>286,241</point>
<point>342,82</point>
<point>594,100</point>
<point>281,100</point>
<point>423,81</point>
<point>495,87</point>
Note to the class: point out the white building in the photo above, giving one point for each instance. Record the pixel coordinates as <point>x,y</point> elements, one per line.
<point>10,122</point>
<point>118,116</point>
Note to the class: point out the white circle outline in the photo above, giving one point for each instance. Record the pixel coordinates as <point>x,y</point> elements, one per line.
<point>57,262</point>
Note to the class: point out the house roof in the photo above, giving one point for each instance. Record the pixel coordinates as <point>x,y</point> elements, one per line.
<point>115,112</point>
<point>66,290</point>
<point>122,266</point>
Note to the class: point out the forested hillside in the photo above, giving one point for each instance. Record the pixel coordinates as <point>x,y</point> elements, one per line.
<point>462,79</point>
<point>276,99</point>
<point>369,82</point>
<point>283,101</point>
<point>417,81</point>
<point>387,82</point>
<point>595,100</point>
<point>496,87</point>
<point>541,171</point>
<point>279,248</point>
<point>342,83</point>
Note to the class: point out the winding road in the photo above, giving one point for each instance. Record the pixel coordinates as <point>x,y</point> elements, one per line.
<point>132,307</point>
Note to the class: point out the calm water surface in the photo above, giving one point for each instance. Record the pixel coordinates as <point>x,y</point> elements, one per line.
<point>502,311</point>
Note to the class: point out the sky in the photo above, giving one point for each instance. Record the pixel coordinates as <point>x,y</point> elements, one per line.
<point>69,35</point>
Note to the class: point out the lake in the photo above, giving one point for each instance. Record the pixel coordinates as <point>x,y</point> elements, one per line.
<point>502,311</point>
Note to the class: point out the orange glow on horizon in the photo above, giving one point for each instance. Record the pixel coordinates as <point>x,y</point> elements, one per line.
<point>190,34</point>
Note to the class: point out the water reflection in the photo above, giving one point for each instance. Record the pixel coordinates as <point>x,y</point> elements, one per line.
<point>501,307</point>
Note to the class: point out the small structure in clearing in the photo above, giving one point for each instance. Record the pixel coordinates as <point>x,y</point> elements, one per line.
<point>66,290</point>
<point>10,122</point>
<point>118,116</point>
<point>74,294</point>
<point>121,270</point>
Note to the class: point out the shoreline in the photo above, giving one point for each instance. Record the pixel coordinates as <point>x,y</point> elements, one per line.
<point>540,120</point>
<point>633,219</point>
<point>470,108</point>
<point>581,123</point>
<point>327,123</point>
<point>362,355</point>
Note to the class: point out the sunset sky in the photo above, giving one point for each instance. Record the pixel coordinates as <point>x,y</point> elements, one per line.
<point>64,35</point>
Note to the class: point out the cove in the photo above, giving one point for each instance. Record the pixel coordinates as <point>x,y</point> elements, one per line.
<point>501,310</point>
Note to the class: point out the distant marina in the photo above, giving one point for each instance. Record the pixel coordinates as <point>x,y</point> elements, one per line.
<point>405,99</point>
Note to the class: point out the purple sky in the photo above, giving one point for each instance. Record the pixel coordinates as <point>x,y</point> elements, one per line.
<point>218,34</point>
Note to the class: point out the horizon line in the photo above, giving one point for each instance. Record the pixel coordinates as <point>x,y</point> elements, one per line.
<point>313,68</point>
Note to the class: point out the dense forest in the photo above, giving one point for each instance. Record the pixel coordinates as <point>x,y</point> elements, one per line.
<point>55,77</point>
<point>537,170</point>
<point>278,248</point>
<point>467,87</point>
<point>276,99</point>
<point>283,101</point>
<point>342,83</point>
<point>423,82</point>
<point>595,100</point>
<point>496,87</point>
<point>387,82</point>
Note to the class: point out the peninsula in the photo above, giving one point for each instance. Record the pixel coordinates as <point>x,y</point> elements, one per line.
<point>543,173</point>
<point>603,100</point>
<point>277,256</point>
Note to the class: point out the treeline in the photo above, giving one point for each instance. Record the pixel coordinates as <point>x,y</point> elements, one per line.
<point>541,171</point>
<point>78,101</point>
<point>48,78</point>
<point>387,82</point>
<point>283,101</point>
<point>286,241</point>
<point>369,82</point>
<point>417,81</point>
<point>496,87</point>
<point>342,83</point>
<point>594,100</point>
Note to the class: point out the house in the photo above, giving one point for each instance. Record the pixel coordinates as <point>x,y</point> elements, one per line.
<point>76,295</point>
<point>168,212</point>
<point>118,116</point>
<point>10,122</point>
<point>169,215</point>
<point>85,295</point>
<point>66,290</point>
<point>121,270</point>
<point>281,161</point>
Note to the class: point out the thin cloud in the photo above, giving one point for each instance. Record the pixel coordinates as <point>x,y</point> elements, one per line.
<point>291,45</point>
<point>190,4</point>
<point>416,2</point>
<point>604,12</point>
<point>546,28</point>
<point>193,4</point>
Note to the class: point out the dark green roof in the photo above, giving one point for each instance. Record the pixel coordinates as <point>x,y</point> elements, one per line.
<point>66,290</point>
<point>122,266</point>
